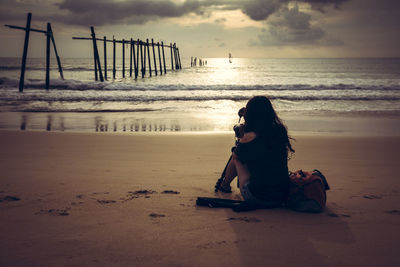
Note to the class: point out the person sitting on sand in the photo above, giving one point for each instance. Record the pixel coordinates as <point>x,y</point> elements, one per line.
<point>260,157</point>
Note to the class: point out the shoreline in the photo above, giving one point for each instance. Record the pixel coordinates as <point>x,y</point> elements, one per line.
<point>99,200</point>
<point>121,122</point>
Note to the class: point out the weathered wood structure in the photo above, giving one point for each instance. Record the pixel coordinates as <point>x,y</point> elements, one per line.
<point>49,38</point>
<point>139,56</point>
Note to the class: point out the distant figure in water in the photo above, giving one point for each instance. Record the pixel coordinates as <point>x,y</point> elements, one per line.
<point>259,159</point>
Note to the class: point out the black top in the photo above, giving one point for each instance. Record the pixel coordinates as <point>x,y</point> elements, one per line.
<point>267,163</point>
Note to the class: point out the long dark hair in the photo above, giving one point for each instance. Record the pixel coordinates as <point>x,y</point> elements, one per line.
<point>261,118</point>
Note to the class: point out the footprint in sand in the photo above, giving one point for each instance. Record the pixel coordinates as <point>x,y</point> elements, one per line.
<point>332,214</point>
<point>393,212</point>
<point>136,194</point>
<point>105,201</point>
<point>245,219</point>
<point>9,198</point>
<point>211,244</point>
<point>372,197</point>
<point>100,193</point>
<point>156,215</point>
<point>170,192</point>
<point>54,212</point>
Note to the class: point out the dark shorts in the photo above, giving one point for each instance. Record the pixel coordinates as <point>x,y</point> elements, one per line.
<point>252,199</point>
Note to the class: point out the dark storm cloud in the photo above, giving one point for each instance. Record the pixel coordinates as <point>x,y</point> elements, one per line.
<point>102,12</point>
<point>290,26</point>
<point>320,4</point>
<point>98,12</point>
<point>260,9</point>
<point>284,25</point>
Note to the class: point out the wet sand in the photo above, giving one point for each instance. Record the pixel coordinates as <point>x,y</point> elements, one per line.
<point>102,199</point>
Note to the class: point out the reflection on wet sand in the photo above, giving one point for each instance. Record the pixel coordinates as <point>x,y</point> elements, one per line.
<point>56,122</point>
<point>136,125</point>
<point>23,122</point>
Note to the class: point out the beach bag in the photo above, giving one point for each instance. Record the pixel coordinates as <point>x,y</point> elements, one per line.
<point>307,191</point>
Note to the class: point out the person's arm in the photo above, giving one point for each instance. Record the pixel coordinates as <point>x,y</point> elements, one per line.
<point>247,137</point>
<point>245,150</point>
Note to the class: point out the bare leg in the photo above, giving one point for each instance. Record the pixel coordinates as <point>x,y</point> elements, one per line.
<point>241,170</point>
<point>230,174</point>
<point>236,168</point>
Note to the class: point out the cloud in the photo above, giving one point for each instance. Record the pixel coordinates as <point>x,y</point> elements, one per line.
<point>320,4</point>
<point>109,12</point>
<point>100,12</point>
<point>261,10</point>
<point>290,26</point>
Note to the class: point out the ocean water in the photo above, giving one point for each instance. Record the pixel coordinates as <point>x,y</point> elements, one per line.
<point>309,94</point>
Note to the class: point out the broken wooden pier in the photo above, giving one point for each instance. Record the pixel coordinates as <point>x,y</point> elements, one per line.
<point>139,56</point>
<point>49,37</point>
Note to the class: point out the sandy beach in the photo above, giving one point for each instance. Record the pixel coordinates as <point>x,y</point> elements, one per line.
<point>102,199</point>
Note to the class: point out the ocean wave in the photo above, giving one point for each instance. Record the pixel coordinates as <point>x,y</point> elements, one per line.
<point>73,85</point>
<point>149,98</point>
<point>80,110</point>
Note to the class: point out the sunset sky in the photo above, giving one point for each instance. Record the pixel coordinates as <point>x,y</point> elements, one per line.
<point>213,28</point>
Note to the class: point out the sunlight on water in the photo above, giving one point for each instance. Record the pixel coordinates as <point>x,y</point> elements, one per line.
<point>197,98</point>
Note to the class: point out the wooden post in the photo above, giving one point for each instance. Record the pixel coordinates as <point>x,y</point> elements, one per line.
<point>96,77</point>
<point>176,58</point>
<point>148,55</point>
<point>123,58</point>
<point>48,33</point>
<point>163,55</point>
<point>144,57</point>
<point>25,53</point>
<point>141,58</point>
<point>96,54</point>
<point>60,70</point>
<point>154,57</point>
<point>137,58</point>
<point>114,70</point>
<point>134,57</point>
<point>179,59</point>
<point>105,58</point>
<point>172,58</point>
<point>159,57</point>
<point>130,60</point>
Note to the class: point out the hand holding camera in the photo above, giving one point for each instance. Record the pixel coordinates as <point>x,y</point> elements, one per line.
<point>239,128</point>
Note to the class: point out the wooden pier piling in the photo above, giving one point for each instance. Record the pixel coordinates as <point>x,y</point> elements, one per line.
<point>105,57</point>
<point>114,51</point>
<point>49,38</point>
<point>123,58</point>
<point>159,57</point>
<point>163,56</point>
<point>60,70</point>
<point>141,58</point>
<point>176,58</point>
<point>25,53</point>
<point>130,58</point>
<point>96,55</point>
<point>48,56</point>
<point>154,57</point>
<point>179,59</point>
<point>137,58</point>
<point>144,57</point>
<point>148,55</point>
<point>143,48</point>
<point>172,58</point>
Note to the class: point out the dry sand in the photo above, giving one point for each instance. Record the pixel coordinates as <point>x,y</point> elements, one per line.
<point>97,200</point>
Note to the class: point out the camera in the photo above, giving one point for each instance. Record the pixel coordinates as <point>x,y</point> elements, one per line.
<point>239,130</point>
